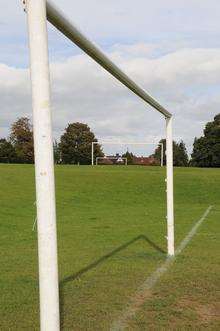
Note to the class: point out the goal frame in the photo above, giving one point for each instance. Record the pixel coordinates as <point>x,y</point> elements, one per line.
<point>38,12</point>
<point>124,143</point>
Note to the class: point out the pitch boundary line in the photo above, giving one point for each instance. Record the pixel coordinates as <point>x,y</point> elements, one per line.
<point>144,291</point>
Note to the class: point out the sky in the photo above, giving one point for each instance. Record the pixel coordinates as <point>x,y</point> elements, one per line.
<point>171,48</point>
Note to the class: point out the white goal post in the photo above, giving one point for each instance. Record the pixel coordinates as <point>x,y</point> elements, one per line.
<point>38,12</point>
<point>111,158</point>
<point>125,143</point>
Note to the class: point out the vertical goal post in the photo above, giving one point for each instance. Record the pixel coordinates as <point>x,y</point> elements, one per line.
<point>38,12</point>
<point>125,143</point>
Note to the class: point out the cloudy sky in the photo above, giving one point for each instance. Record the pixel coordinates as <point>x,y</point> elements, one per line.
<point>171,48</point>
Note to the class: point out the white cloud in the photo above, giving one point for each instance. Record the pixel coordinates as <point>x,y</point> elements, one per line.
<point>82,91</point>
<point>171,24</point>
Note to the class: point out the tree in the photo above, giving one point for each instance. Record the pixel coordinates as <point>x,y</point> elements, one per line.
<point>21,138</point>
<point>180,157</point>
<point>129,156</point>
<point>76,144</point>
<point>56,152</point>
<point>7,152</point>
<point>206,149</point>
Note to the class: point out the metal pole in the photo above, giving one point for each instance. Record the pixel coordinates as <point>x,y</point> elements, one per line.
<point>161,159</point>
<point>44,166</point>
<point>169,180</point>
<point>92,153</point>
<point>58,19</point>
<point>123,143</point>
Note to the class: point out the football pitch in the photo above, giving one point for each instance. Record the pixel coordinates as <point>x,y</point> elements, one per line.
<point>112,237</point>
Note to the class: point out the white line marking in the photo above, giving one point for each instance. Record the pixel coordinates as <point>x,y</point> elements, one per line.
<point>144,291</point>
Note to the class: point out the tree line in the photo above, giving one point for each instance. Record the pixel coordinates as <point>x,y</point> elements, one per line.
<point>75,146</point>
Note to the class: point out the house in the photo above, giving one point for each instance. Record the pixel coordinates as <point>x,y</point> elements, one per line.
<point>137,160</point>
<point>144,160</point>
<point>111,160</point>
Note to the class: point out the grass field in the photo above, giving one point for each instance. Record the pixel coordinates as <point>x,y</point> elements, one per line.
<point>111,235</point>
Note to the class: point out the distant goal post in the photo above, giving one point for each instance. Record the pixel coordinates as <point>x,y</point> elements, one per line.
<point>93,160</point>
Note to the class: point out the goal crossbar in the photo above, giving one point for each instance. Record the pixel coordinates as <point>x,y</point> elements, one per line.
<point>38,12</point>
<point>60,21</point>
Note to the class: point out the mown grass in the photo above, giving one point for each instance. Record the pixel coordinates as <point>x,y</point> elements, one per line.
<point>111,235</point>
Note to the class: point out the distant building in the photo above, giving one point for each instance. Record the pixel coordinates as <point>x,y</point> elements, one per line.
<point>137,160</point>
<point>111,160</point>
<point>145,161</point>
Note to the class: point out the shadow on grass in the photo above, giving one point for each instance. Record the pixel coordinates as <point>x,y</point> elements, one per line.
<point>96,263</point>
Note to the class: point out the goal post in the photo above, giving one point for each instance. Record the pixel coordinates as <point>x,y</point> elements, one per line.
<point>125,144</point>
<point>38,12</point>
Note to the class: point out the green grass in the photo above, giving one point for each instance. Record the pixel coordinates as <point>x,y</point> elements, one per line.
<point>111,236</point>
